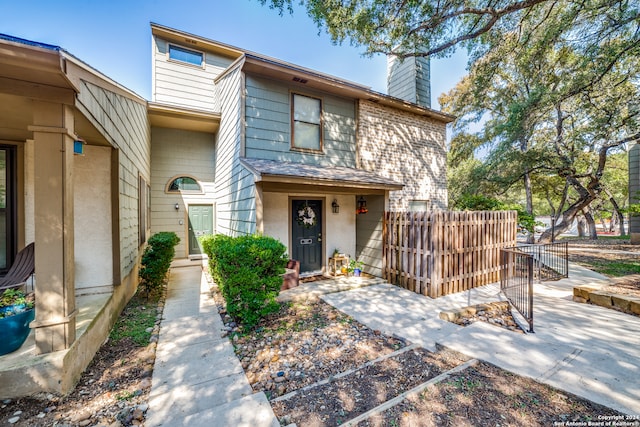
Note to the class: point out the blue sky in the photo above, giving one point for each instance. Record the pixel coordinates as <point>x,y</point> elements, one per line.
<point>114,37</point>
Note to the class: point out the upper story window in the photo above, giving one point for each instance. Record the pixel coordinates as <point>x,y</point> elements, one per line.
<point>182,54</point>
<point>306,133</point>
<point>183,184</point>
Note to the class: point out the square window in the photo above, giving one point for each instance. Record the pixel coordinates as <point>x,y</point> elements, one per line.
<point>188,56</point>
<point>307,123</point>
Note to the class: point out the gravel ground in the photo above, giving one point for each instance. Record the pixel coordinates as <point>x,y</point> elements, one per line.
<point>485,395</point>
<point>320,367</point>
<point>112,392</point>
<point>306,342</point>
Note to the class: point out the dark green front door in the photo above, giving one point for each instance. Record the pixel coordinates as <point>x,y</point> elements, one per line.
<point>307,234</point>
<point>200,223</point>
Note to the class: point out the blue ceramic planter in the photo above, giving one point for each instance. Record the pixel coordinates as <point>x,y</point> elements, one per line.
<point>14,330</point>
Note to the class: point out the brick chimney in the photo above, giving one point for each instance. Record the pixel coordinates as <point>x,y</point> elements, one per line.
<point>409,79</point>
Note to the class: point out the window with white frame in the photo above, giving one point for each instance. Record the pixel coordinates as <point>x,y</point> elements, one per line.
<point>419,205</point>
<point>183,184</point>
<point>306,132</point>
<point>188,56</point>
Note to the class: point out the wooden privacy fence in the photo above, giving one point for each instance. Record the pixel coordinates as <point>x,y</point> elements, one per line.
<point>439,253</point>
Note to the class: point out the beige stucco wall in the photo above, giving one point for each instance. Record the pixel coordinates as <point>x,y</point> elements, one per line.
<point>92,221</point>
<point>407,148</point>
<point>340,228</point>
<point>177,152</point>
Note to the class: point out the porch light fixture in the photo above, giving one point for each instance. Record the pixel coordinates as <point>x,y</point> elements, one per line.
<point>177,206</point>
<point>362,206</point>
<point>335,207</point>
<point>78,146</point>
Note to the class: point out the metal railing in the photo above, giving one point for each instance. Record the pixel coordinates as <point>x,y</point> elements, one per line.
<point>551,260</point>
<point>524,264</point>
<point>516,281</point>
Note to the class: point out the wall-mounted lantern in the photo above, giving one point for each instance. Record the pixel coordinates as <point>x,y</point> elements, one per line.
<point>335,207</point>
<point>78,146</point>
<point>177,206</point>
<point>362,206</point>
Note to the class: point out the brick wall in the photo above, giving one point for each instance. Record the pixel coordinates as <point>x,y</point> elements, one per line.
<point>406,147</point>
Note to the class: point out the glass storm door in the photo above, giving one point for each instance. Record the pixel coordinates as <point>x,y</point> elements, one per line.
<point>306,235</point>
<point>7,207</point>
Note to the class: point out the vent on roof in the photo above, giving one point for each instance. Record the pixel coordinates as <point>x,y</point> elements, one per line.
<point>299,80</point>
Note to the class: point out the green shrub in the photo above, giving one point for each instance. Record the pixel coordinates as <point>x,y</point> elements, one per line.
<point>248,270</point>
<point>156,260</point>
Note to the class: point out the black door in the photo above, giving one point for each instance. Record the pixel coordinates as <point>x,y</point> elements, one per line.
<point>307,234</point>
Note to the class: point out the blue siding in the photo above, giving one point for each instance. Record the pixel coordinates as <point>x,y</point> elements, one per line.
<point>235,189</point>
<point>268,126</point>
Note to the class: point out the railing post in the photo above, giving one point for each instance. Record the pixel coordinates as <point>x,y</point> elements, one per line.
<point>530,310</point>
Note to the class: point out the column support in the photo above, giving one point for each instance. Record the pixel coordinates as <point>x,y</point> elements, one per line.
<point>54,134</point>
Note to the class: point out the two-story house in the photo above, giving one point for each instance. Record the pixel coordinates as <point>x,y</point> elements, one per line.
<point>245,143</point>
<point>232,142</point>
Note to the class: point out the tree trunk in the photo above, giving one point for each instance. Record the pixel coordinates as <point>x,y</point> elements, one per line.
<point>529,200</point>
<point>613,224</point>
<point>617,212</point>
<point>593,234</point>
<point>582,223</point>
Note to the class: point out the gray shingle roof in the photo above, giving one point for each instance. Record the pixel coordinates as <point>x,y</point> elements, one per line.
<point>266,170</point>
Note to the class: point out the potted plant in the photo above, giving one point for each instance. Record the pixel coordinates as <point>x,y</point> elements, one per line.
<point>16,312</point>
<point>355,267</point>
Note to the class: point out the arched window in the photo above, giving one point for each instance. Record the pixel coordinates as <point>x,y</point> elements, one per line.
<point>183,184</point>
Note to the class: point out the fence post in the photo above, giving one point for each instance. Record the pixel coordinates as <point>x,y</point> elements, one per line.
<point>530,311</point>
<point>385,246</point>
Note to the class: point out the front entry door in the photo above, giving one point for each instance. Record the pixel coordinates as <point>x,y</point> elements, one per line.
<point>306,235</point>
<point>200,224</point>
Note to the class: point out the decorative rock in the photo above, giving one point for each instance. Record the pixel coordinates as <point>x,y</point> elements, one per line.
<point>41,415</point>
<point>145,383</point>
<point>143,407</point>
<point>601,298</point>
<point>138,414</point>
<point>147,371</point>
<point>13,420</point>
<point>84,423</point>
<point>17,413</point>
<point>148,330</point>
<point>279,379</point>
<point>81,416</point>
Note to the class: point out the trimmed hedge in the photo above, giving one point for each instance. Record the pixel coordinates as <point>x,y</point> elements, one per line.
<point>156,260</point>
<point>248,270</point>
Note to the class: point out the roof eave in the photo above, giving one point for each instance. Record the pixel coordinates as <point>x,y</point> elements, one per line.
<point>309,78</point>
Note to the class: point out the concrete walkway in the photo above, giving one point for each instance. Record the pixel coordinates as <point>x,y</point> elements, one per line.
<point>587,350</point>
<point>197,378</point>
